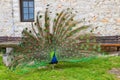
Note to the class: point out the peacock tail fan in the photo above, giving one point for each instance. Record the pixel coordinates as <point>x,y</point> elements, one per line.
<point>64,43</point>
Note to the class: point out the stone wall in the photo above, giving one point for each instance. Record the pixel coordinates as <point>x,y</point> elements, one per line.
<point>5,17</point>
<point>103,15</point>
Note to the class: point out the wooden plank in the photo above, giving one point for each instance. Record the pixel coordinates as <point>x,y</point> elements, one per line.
<point>110,45</point>
<point>9,44</point>
<point>108,39</point>
<point>6,38</point>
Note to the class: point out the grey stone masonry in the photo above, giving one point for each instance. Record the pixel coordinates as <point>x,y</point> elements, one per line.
<point>103,15</point>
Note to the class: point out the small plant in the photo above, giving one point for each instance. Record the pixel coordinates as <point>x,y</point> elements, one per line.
<point>64,39</point>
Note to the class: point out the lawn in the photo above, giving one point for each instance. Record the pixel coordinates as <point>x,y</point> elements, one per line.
<point>94,69</point>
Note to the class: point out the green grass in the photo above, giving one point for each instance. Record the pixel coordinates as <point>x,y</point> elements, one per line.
<point>96,69</point>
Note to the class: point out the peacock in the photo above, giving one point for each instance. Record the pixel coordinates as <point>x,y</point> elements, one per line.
<point>42,45</point>
<point>54,59</point>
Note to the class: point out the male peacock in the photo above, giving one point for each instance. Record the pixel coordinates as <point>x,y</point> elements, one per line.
<point>53,57</point>
<point>38,42</point>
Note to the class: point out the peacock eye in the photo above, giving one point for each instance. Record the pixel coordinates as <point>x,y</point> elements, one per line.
<point>26,28</point>
<point>48,18</point>
<point>63,19</point>
<point>57,14</point>
<point>30,31</point>
<point>40,16</point>
<point>48,4</point>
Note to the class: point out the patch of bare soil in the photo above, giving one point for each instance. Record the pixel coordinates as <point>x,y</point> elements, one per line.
<point>115,71</point>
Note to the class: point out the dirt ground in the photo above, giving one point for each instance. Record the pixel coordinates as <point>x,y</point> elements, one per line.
<point>115,71</point>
